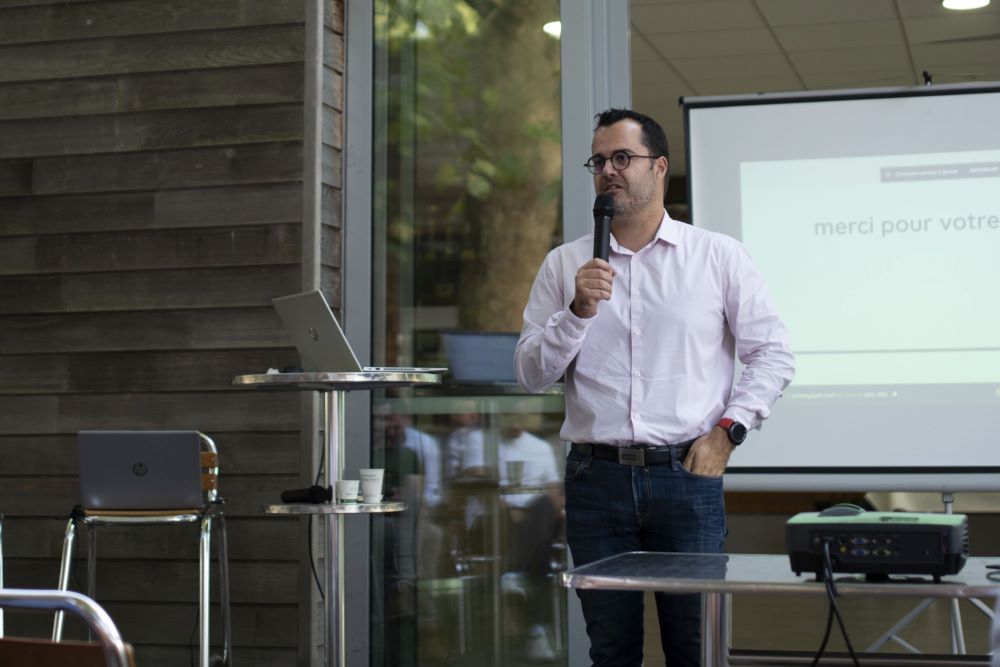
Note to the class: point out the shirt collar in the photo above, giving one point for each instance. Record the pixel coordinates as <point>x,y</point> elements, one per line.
<point>669,231</point>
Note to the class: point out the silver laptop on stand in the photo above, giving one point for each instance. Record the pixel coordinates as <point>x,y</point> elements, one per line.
<point>320,340</point>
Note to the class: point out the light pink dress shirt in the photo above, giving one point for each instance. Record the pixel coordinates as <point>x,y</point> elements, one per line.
<point>656,364</point>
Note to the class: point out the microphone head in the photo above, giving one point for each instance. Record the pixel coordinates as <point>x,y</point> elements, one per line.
<point>604,205</point>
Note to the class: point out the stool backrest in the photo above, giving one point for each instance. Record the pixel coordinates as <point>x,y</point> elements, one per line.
<point>210,468</point>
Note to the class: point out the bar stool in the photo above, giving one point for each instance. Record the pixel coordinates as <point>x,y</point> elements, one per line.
<point>206,516</point>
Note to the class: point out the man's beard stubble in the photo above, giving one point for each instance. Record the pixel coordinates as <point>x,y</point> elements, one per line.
<point>639,196</point>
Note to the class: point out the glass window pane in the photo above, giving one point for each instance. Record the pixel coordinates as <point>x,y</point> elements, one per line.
<point>466,205</point>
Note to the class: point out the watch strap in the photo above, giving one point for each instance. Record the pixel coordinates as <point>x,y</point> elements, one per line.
<point>735,431</point>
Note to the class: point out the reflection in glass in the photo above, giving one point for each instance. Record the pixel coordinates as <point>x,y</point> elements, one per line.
<point>466,205</point>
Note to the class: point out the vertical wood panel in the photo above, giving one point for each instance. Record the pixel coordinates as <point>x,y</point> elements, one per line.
<point>151,188</point>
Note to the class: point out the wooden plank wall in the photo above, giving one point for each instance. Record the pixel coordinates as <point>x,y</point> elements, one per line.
<point>151,205</point>
<point>332,144</point>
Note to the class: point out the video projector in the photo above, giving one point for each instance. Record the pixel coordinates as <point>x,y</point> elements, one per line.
<point>878,544</point>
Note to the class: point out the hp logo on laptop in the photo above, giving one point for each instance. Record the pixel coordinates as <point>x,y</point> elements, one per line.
<point>314,334</point>
<point>140,469</point>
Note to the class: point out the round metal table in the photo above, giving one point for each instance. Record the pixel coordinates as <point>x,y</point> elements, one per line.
<point>333,387</point>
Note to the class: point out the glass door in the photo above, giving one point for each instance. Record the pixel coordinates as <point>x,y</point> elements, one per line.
<point>466,203</point>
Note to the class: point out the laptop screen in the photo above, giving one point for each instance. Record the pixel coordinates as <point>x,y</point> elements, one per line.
<point>318,337</point>
<point>135,470</point>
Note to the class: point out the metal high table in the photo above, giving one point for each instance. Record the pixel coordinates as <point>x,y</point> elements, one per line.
<point>716,576</point>
<point>333,387</point>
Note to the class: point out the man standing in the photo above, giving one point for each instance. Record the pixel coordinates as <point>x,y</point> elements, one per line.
<point>647,343</point>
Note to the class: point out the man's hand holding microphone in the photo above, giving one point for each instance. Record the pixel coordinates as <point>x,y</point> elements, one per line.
<point>593,279</point>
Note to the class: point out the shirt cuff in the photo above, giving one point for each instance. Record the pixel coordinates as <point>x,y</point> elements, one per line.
<point>746,417</point>
<point>574,324</point>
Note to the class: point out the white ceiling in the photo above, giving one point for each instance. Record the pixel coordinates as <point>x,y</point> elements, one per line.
<point>727,47</point>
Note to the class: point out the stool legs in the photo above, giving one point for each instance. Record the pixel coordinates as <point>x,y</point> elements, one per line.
<point>204,560</point>
<point>204,582</point>
<point>227,633</point>
<point>64,567</point>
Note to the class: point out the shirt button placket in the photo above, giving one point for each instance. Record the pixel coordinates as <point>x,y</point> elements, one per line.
<point>635,315</point>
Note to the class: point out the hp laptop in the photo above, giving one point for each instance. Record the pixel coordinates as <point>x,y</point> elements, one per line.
<point>137,470</point>
<point>320,340</point>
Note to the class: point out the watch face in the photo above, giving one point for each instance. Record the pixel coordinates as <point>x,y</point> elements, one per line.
<point>737,432</point>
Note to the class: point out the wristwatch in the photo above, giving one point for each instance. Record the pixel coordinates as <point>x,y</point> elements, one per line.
<point>736,431</point>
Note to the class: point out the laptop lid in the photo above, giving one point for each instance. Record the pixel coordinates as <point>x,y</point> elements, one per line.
<point>319,339</point>
<point>317,335</point>
<point>137,470</point>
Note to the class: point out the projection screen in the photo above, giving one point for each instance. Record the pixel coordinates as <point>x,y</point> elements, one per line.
<point>874,215</point>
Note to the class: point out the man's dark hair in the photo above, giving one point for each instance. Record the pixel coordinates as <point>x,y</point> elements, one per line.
<point>653,136</point>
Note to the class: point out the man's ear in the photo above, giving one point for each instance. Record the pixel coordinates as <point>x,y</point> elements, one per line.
<point>665,163</point>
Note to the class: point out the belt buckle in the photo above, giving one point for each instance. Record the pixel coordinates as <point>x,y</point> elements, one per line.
<point>632,456</point>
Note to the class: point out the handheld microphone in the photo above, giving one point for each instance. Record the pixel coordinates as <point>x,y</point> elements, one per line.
<point>604,210</point>
<point>314,494</point>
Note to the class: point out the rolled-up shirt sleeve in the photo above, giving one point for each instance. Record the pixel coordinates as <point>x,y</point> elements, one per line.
<point>762,342</point>
<point>551,334</point>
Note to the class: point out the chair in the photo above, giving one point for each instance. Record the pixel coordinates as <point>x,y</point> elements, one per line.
<point>209,513</point>
<point>110,650</point>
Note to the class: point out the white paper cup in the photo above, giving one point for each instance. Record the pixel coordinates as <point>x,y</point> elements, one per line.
<point>371,484</point>
<point>347,490</point>
<point>371,491</point>
<point>515,473</point>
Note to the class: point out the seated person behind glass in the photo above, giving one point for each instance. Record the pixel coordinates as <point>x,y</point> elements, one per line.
<point>531,491</point>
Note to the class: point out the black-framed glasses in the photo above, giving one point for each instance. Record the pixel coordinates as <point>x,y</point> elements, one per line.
<point>620,160</point>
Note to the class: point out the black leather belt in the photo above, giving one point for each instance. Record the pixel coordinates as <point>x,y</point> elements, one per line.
<point>634,455</point>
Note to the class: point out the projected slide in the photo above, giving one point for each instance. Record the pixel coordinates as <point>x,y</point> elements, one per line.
<point>885,268</point>
<point>874,216</point>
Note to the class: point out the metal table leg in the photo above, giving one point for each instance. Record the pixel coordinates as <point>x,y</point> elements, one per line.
<point>336,655</point>
<point>715,629</point>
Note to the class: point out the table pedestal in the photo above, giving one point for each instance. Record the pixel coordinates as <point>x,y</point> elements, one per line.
<point>715,610</point>
<point>333,387</point>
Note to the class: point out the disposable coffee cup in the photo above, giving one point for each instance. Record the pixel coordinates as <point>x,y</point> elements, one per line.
<point>515,473</point>
<point>371,491</point>
<point>347,490</point>
<point>371,484</point>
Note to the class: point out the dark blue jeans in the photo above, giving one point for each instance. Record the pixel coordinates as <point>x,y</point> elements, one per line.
<point>613,508</point>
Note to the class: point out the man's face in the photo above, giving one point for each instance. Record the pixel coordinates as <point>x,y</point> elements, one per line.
<point>390,428</point>
<point>637,186</point>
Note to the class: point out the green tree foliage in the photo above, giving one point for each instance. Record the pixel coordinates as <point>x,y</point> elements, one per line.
<point>474,140</point>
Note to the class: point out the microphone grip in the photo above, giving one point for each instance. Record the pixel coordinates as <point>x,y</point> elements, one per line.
<point>602,236</point>
<point>314,494</point>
